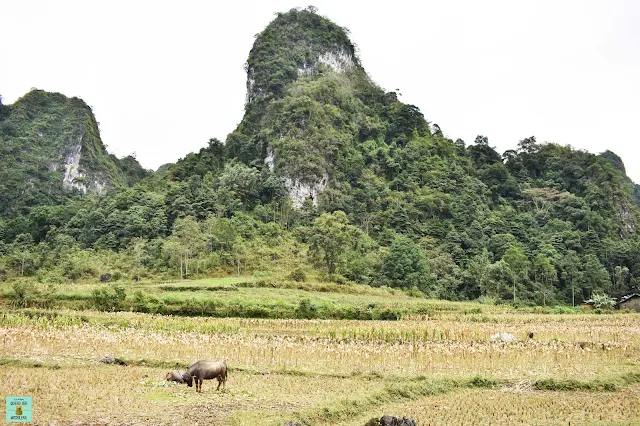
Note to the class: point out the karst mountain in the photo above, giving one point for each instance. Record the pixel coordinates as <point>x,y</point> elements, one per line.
<point>320,136</point>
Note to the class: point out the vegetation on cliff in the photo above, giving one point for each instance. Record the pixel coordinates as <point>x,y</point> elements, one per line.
<point>50,150</point>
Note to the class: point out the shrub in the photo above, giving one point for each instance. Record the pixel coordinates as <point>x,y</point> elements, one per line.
<point>482,382</point>
<point>387,314</point>
<point>297,275</point>
<point>45,299</point>
<point>602,301</point>
<point>487,300</point>
<point>339,279</point>
<point>306,309</point>
<point>108,300</point>
<point>146,303</point>
<point>414,292</point>
<point>22,292</point>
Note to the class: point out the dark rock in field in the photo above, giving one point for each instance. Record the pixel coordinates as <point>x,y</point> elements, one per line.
<point>111,360</point>
<point>531,335</point>
<point>108,360</point>
<point>3,272</point>
<point>391,421</point>
<point>105,277</point>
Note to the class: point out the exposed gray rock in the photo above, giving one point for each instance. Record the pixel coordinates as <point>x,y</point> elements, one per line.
<point>73,177</point>
<point>270,160</point>
<point>337,60</point>
<point>299,191</point>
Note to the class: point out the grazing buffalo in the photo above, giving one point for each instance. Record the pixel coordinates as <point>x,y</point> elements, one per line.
<point>206,370</point>
<point>176,376</point>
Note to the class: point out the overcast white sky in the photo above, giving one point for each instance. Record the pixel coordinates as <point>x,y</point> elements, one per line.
<point>164,77</point>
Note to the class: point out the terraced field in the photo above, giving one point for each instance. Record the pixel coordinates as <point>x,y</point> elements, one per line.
<point>437,364</point>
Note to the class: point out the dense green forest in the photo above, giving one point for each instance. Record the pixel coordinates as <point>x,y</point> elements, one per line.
<point>401,204</point>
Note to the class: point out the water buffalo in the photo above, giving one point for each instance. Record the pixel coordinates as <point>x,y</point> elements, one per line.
<point>206,370</point>
<point>176,376</point>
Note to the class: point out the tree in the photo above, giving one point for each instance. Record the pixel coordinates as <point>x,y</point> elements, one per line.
<point>136,251</point>
<point>220,233</point>
<point>239,253</point>
<point>22,253</point>
<point>518,264</point>
<point>477,272</point>
<point>330,236</point>
<point>405,265</point>
<point>482,154</point>
<point>544,273</point>
<point>499,275</point>
<point>186,242</point>
<point>594,277</point>
<point>500,243</point>
<point>620,280</point>
<point>571,273</point>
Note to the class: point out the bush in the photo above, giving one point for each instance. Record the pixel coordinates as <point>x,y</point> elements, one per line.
<point>22,292</point>
<point>339,279</point>
<point>146,303</point>
<point>387,314</point>
<point>49,277</point>
<point>306,309</point>
<point>602,301</point>
<point>487,300</point>
<point>297,275</point>
<point>414,292</point>
<point>109,300</point>
<point>45,299</point>
<point>482,382</point>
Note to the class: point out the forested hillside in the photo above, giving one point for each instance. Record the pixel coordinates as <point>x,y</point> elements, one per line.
<point>50,149</point>
<point>326,175</point>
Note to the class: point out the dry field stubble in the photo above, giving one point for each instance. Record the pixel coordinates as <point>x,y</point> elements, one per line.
<point>320,370</point>
<point>101,394</point>
<point>517,408</point>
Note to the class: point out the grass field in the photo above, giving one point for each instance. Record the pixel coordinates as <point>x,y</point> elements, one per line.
<point>440,368</point>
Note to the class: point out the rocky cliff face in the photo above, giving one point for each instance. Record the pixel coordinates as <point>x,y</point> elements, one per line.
<point>627,218</point>
<point>297,45</point>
